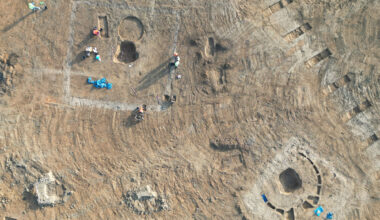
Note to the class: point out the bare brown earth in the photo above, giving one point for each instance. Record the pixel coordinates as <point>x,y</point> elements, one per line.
<point>266,86</point>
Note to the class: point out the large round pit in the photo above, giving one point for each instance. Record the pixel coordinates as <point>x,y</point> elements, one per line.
<point>290,180</point>
<point>127,52</point>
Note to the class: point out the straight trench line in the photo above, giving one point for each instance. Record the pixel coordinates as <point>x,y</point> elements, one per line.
<point>67,66</point>
<point>117,106</point>
<point>152,9</point>
<point>47,71</point>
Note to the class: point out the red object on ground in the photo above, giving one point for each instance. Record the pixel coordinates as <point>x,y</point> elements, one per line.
<point>96,32</point>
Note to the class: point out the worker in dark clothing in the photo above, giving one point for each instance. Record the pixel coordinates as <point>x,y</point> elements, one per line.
<point>171,99</point>
<point>139,112</point>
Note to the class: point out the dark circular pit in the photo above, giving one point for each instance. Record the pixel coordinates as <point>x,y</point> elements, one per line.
<point>128,52</point>
<point>290,180</point>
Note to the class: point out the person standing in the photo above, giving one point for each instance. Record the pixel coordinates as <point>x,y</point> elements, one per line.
<point>88,51</point>
<point>176,60</point>
<point>97,57</point>
<point>33,7</point>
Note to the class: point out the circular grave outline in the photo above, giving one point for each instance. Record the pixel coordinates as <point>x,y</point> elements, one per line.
<point>136,21</point>
<point>314,199</point>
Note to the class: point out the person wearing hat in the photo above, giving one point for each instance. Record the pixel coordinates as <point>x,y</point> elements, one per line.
<point>96,32</point>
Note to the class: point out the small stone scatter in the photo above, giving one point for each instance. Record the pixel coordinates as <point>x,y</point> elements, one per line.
<point>144,201</point>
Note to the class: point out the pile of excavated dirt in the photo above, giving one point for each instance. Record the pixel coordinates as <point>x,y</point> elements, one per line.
<point>276,111</point>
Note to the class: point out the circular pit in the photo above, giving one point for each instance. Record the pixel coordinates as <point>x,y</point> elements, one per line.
<point>290,180</point>
<point>131,29</point>
<point>127,52</point>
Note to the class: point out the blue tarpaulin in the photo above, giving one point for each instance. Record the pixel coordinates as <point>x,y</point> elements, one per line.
<point>109,86</point>
<point>100,83</point>
<point>329,215</point>
<point>318,211</point>
<point>264,198</point>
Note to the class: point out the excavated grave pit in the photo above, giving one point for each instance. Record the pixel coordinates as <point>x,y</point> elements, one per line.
<point>127,52</point>
<point>290,180</point>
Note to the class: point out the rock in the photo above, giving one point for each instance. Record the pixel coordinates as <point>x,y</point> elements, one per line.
<point>4,200</point>
<point>47,191</point>
<point>42,188</point>
<point>145,194</point>
<point>145,201</point>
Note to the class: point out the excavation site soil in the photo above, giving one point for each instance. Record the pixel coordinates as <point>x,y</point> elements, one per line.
<point>272,112</point>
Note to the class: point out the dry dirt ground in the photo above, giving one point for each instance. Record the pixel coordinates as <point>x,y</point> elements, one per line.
<point>277,97</point>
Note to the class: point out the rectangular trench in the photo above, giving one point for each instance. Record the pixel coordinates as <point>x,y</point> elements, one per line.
<point>297,32</point>
<point>341,82</point>
<point>372,139</point>
<point>318,58</point>
<point>358,109</point>
<point>276,7</point>
<point>103,23</point>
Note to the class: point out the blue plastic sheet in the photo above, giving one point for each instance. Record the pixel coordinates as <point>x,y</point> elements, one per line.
<point>318,211</point>
<point>100,83</point>
<point>90,81</point>
<point>264,198</point>
<point>329,215</point>
<point>109,86</point>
